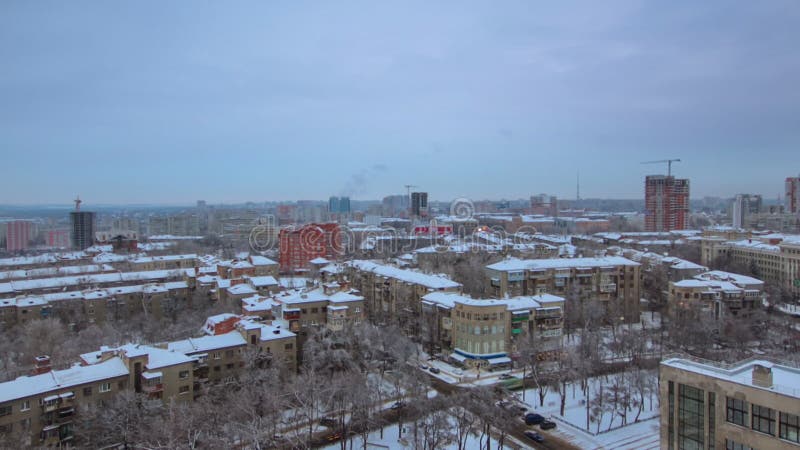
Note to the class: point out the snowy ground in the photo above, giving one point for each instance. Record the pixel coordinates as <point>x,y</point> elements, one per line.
<point>572,426</point>
<point>392,440</point>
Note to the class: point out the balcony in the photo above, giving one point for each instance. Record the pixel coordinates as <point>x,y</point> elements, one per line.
<point>608,288</point>
<point>153,388</point>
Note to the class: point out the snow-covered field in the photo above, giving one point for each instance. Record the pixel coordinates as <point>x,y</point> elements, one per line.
<point>605,418</point>
<point>392,440</point>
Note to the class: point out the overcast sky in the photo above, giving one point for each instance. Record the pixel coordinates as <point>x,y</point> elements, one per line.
<point>169,102</point>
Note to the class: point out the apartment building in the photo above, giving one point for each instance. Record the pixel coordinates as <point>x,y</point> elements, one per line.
<point>666,201</point>
<point>611,281</point>
<point>333,306</point>
<point>300,245</point>
<point>716,293</point>
<point>165,262</point>
<point>80,308</point>
<point>392,294</point>
<point>40,409</point>
<point>776,257</point>
<point>485,332</point>
<point>753,404</point>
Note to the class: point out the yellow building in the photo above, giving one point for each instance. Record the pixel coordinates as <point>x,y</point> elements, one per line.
<point>754,404</point>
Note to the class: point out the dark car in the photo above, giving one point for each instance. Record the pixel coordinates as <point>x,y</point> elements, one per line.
<point>533,419</point>
<point>435,370</point>
<point>534,436</point>
<point>328,422</point>
<point>547,425</point>
<point>506,376</point>
<point>398,405</point>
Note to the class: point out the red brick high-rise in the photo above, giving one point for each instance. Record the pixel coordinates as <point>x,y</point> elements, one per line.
<point>793,195</point>
<point>18,234</point>
<point>300,245</point>
<point>666,203</point>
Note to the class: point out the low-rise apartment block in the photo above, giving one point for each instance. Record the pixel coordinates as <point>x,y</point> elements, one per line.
<point>775,256</point>
<point>485,332</point>
<point>716,293</point>
<point>393,294</point>
<point>754,404</point>
<point>611,281</point>
<point>41,409</point>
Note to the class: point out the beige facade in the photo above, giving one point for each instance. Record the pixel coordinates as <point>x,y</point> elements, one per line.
<point>717,293</point>
<point>611,281</point>
<point>392,294</point>
<point>483,332</point>
<point>753,404</point>
<point>776,257</point>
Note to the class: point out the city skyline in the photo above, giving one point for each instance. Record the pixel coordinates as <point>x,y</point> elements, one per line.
<point>269,102</point>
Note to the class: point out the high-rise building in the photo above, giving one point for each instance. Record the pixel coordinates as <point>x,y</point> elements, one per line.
<point>82,233</point>
<point>394,205</point>
<point>666,201</point>
<point>744,207</point>
<point>82,230</point>
<point>58,238</point>
<point>18,234</point>
<point>300,245</point>
<point>419,204</point>
<point>793,195</point>
<point>339,205</point>
<point>544,204</point>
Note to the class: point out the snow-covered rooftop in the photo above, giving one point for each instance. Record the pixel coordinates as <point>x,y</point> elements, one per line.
<point>560,263</point>
<point>27,386</point>
<point>786,379</point>
<point>408,276</point>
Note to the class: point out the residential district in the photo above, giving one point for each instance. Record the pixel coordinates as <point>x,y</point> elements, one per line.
<point>405,323</point>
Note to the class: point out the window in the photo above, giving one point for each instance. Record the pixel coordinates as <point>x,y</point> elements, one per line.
<point>302,311</point>
<point>25,406</point>
<point>736,411</point>
<point>288,346</point>
<point>763,419</point>
<point>217,355</point>
<point>87,391</point>
<point>5,410</point>
<point>183,390</point>
<point>314,310</point>
<point>732,445</point>
<point>712,418</point>
<point>217,368</point>
<point>229,353</point>
<point>229,366</point>
<point>105,387</point>
<point>183,374</point>
<point>790,425</point>
<point>25,424</point>
<point>690,417</point>
<point>120,385</point>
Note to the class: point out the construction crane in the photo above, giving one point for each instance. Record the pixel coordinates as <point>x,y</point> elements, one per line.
<point>408,189</point>
<point>668,161</point>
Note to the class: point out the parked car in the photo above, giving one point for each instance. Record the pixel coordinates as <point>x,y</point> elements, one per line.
<point>506,376</point>
<point>534,436</point>
<point>329,422</point>
<point>423,367</point>
<point>435,370</point>
<point>533,419</point>
<point>398,405</point>
<point>547,425</point>
<point>458,371</point>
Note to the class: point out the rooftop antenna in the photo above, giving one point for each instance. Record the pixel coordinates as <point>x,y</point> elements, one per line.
<point>77,203</point>
<point>668,161</point>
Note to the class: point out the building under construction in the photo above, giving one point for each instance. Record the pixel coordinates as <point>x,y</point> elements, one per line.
<point>666,202</point>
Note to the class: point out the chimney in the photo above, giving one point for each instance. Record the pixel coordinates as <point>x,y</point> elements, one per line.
<point>41,365</point>
<point>762,376</point>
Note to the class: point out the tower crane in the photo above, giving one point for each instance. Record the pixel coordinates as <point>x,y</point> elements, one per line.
<point>668,161</point>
